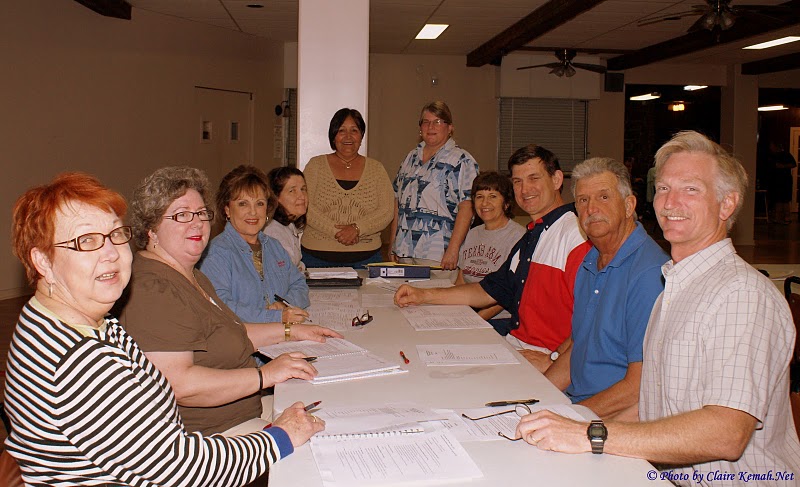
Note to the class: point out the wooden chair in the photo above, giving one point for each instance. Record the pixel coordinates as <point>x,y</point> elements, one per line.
<point>10,474</point>
<point>794,365</point>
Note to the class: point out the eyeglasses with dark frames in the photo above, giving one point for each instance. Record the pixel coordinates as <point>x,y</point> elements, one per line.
<point>89,242</point>
<point>520,409</point>
<point>188,216</point>
<point>362,320</point>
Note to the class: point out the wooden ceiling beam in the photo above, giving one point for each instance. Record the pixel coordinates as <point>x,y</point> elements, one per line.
<point>119,9</point>
<point>540,21</point>
<point>582,50</point>
<point>699,40</point>
<point>772,65</point>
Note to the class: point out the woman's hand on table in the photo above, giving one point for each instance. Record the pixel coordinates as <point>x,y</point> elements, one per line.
<point>450,258</point>
<point>287,366</point>
<point>347,234</point>
<point>313,332</point>
<point>299,424</point>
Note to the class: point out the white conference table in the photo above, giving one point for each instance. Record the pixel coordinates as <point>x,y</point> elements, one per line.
<point>502,462</point>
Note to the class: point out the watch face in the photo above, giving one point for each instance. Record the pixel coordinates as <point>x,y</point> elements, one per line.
<point>598,430</point>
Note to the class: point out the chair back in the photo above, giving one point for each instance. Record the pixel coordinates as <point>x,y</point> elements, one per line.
<point>794,306</point>
<point>10,474</point>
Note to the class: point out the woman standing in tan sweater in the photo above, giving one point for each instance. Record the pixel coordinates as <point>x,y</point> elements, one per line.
<point>350,199</point>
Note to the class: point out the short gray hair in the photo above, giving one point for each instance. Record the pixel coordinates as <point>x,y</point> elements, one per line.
<point>598,165</point>
<point>156,192</point>
<point>731,177</point>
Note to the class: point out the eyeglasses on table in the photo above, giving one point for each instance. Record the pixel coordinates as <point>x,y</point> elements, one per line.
<point>520,409</point>
<point>362,319</point>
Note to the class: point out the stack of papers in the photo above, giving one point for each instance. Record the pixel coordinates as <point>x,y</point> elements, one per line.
<point>443,317</point>
<point>393,459</point>
<point>494,354</point>
<point>331,273</point>
<point>337,360</point>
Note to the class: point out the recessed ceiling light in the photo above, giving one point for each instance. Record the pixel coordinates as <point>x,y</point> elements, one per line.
<point>772,108</point>
<point>648,96</point>
<point>773,43</point>
<point>431,31</point>
<point>254,5</point>
<point>694,87</point>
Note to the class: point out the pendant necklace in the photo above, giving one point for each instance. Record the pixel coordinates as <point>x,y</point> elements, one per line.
<point>347,163</point>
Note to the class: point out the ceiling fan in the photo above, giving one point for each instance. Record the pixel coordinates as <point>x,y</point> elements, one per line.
<point>565,66</point>
<point>719,15</point>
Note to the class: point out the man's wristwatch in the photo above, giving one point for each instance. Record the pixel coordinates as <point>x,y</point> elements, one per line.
<point>597,433</point>
<point>554,355</point>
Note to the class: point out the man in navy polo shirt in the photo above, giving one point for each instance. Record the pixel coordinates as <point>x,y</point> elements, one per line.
<point>616,286</point>
<point>535,284</point>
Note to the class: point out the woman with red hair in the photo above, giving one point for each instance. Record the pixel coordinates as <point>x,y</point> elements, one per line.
<point>86,406</point>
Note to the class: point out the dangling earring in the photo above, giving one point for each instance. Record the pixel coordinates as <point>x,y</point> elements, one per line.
<point>49,289</point>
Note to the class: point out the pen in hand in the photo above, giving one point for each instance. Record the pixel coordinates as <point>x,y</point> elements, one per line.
<point>309,359</point>
<point>282,301</point>
<point>312,405</point>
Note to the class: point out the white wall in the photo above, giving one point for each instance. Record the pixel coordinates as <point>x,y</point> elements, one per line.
<point>113,98</point>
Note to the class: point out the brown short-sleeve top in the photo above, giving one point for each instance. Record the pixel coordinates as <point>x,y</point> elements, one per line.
<point>164,312</point>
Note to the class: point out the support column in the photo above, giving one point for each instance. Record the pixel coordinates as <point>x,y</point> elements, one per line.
<point>739,134</point>
<point>333,69</point>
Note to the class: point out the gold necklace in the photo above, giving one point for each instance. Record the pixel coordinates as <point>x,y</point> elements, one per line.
<point>347,163</point>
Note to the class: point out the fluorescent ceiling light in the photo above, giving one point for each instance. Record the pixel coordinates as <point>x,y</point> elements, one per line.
<point>772,108</point>
<point>431,31</point>
<point>773,43</point>
<point>649,96</point>
<point>694,87</point>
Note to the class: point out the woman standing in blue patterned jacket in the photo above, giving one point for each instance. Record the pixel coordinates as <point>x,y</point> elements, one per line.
<point>434,210</point>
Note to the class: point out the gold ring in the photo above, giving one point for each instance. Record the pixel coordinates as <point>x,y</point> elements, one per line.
<point>313,419</point>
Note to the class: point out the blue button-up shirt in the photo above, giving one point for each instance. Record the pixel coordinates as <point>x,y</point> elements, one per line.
<point>229,265</point>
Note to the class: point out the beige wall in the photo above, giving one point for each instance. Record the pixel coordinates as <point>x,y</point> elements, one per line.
<point>114,98</point>
<point>400,85</point>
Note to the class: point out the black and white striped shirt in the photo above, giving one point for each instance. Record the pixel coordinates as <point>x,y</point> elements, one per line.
<point>93,410</point>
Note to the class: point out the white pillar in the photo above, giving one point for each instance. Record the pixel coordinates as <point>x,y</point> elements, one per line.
<point>333,69</point>
<point>739,134</point>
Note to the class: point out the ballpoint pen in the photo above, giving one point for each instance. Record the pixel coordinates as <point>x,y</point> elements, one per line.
<point>309,359</point>
<point>312,405</point>
<point>511,403</point>
<point>282,301</point>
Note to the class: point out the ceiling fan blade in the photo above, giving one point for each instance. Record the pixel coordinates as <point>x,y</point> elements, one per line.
<point>590,67</point>
<point>700,24</point>
<point>548,65</point>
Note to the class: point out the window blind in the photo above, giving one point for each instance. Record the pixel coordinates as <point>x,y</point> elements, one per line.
<point>559,125</point>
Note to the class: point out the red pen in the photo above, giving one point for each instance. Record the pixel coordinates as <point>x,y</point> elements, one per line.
<point>405,359</point>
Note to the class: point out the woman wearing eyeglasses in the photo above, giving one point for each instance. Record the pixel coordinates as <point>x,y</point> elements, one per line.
<point>86,406</point>
<point>350,199</point>
<point>432,187</point>
<point>180,322</point>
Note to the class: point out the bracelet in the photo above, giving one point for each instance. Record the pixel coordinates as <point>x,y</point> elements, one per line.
<point>287,330</point>
<point>260,379</point>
